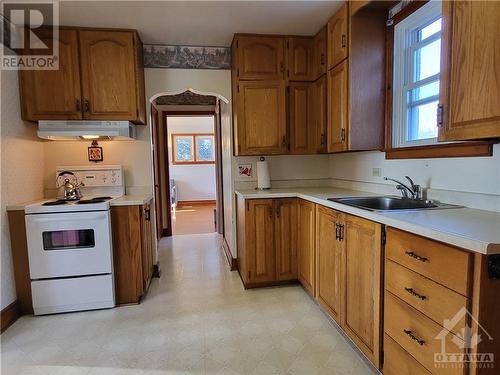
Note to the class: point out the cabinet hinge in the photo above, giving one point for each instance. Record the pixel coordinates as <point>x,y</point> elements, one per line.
<point>342,135</point>
<point>384,237</point>
<point>440,115</point>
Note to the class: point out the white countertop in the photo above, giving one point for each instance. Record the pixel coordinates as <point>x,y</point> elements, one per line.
<point>131,200</point>
<point>470,229</point>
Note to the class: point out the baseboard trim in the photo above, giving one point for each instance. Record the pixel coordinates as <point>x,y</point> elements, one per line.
<point>9,315</point>
<point>195,203</point>
<point>232,262</point>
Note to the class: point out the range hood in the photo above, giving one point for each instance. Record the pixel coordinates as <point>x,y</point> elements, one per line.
<point>86,130</point>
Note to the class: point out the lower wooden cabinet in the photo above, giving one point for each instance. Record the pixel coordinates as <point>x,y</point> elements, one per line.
<point>306,235</point>
<point>133,255</point>
<point>266,230</point>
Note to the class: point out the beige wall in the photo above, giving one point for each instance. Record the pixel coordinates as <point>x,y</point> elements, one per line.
<point>22,170</point>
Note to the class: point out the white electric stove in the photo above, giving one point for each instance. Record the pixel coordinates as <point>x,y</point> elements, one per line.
<point>70,244</point>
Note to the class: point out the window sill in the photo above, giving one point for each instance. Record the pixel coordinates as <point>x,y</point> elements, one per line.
<point>451,150</point>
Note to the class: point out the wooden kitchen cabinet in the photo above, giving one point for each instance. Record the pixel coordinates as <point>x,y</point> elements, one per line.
<point>319,115</point>
<point>259,57</point>
<point>469,88</point>
<point>53,94</point>
<point>109,75</point>
<point>101,77</point>
<point>286,238</point>
<point>266,235</point>
<point>338,27</point>
<point>330,252</point>
<point>300,58</point>
<point>306,235</point>
<point>133,254</point>
<point>320,53</point>
<point>338,110</point>
<point>260,118</point>
<point>363,280</point>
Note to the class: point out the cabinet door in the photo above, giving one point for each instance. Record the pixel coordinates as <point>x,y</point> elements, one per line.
<point>318,116</point>
<point>261,257</point>
<point>261,125</point>
<point>329,262</point>
<point>260,58</point>
<point>300,59</point>
<point>338,37</point>
<point>363,284</point>
<point>286,239</point>
<point>300,117</point>
<point>306,245</point>
<point>337,108</point>
<point>319,61</point>
<point>54,94</point>
<point>470,70</point>
<point>146,245</point>
<point>108,75</point>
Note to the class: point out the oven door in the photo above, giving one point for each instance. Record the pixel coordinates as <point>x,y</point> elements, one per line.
<point>69,244</point>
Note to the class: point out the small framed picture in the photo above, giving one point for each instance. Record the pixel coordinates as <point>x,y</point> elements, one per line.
<point>245,170</point>
<point>95,154</point>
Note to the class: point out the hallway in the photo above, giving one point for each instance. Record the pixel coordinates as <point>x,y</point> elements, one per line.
<point>196,319</point>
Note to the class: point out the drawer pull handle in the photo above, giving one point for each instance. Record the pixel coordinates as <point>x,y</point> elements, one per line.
<point>413,337</point>
<point>416,256</point>
<point>415,294</point>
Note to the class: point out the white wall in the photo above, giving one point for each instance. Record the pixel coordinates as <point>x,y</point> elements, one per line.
<point>22,171</point>
<point>474,182</point>
<point>193,181</point>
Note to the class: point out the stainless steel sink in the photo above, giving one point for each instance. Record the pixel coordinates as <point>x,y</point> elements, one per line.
<point>388,203</point>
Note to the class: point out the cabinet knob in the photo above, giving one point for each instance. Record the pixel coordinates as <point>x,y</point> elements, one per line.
<point>344,40</point>
<point>414,255</point>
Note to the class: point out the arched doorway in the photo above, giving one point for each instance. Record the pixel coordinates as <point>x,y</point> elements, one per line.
<point>195,167</point>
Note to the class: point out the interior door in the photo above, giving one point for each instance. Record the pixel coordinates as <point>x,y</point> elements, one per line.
<point>108,75</point>
<point>306,245</point>
<point>54,94</point>
<point>337,108</point>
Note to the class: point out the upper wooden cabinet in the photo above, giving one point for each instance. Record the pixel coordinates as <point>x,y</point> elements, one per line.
<point>267,246</point>
<point>470,71</point>
<point>306,245</point>
<point>260,118</point>
<point>320,56</point>
<point>300,58</point>
<point>338,108</point>
<point>338,43</point>
<point>54,94</point>
<point>319,113</point>
<point>101,77</point>
<point>259,57</point>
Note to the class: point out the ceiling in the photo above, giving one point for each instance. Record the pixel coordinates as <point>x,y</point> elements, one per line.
<point>200,23</point>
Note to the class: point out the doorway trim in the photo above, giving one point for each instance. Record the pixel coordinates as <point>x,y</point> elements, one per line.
<point>165,172</point>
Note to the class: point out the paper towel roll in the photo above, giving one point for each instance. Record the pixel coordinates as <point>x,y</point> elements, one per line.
<point>263,178</point>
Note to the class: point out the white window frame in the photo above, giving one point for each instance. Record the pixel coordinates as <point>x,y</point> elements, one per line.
<point>403,68</point>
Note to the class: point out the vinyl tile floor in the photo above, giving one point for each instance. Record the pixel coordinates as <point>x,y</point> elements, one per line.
<point>196,319</point>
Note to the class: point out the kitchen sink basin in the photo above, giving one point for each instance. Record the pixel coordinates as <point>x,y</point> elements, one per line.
<point>389,203</point>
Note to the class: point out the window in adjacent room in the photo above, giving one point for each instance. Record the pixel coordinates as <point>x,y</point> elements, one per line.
<point>417,53</point>
<point>193,149</point>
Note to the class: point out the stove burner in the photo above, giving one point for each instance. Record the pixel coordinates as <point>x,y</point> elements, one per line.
<point>93,200</point>
<point>55,203</point>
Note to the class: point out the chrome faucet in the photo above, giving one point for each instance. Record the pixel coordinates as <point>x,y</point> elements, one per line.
<point>412,192</point>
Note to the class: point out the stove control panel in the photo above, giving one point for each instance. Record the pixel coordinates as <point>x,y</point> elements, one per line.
<point>101,176</point>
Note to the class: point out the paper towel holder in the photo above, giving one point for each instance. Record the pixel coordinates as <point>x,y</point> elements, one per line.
<point>263,159</point>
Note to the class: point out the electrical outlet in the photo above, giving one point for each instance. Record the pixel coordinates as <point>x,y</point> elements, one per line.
<point>377,172</point>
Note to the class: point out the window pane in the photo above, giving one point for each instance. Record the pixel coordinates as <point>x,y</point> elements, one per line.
<point>430,30</point>
<point>183,148</point>
<point>422,121</point>
<point>427,60</point>
<point>205,148</point>
<point>423,92</point>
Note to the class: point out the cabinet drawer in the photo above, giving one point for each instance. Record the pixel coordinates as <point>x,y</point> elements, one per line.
<point>398,362</point>
<point>430,298</point>
<point>402,322</point>
<point>442,263</point>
